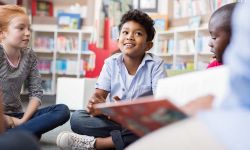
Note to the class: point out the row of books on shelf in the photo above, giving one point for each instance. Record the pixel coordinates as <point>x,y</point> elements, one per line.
<point>46,86</point>
<point>202,44</point>
<point>44,43</point>
<point>67,43</point>
<point>186,46</point>
<point>180,66</point>
<point>184,66</point>
<point>201,65</point>
<point>165,47</point>
<point>218,3</point>
<point>188,8</point>
<point>64,66</point>
<point>64,43</point>
<point>45,66</point>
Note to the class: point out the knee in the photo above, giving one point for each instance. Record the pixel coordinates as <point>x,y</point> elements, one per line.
<point>77,119</point>
<point>63,111</point>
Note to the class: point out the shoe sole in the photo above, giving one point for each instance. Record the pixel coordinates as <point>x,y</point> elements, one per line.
<point>58,139</point>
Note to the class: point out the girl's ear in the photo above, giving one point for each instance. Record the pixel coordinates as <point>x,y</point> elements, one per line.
<point>1,35</point>
<point>150,44</point>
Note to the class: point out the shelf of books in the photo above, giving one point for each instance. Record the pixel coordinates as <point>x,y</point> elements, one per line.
<point>62,53</point>
<point>185,46</point>
<point>183,49</point>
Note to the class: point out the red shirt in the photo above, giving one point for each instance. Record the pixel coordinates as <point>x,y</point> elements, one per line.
<point>214,63</point>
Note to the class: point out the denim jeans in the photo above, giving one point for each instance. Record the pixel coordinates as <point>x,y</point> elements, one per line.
<point>100,126</point>
<point>18,140</point>
<point>44,119</point>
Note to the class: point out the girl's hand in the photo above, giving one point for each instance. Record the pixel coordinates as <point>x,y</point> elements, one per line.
<point>12,122</point>
<point>17,121</point>
<point>9,121</point>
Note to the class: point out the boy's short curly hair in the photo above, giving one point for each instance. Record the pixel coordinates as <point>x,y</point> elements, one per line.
<point>224,16</point>
<point>141,18</point>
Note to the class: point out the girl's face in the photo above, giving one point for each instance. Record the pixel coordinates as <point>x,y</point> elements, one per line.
<point>18,32</point>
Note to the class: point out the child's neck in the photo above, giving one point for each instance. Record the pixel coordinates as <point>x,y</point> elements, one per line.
<point>132,64</point>
<point>12,53</point>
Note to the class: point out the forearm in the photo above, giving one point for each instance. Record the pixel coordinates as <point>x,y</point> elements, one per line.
<point>1,119</point>
<point>1,115</point>
<point>31,109</point>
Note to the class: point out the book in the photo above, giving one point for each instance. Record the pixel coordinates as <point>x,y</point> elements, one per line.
<point>142,115</point>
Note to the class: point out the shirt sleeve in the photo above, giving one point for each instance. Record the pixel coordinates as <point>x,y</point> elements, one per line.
<point>104,81</point>
<point>34,79</point>
<point>159,72</point>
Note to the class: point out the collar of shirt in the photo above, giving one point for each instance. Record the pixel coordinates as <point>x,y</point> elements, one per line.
<point>119,58</point>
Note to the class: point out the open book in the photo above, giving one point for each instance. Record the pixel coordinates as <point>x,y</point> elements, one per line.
<point>142,115</point>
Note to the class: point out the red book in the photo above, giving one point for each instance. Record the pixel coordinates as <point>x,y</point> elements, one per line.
<point>143,115</point>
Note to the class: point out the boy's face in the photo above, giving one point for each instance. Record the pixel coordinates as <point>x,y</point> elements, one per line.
<point>133,40</point>
<point>220,38</point>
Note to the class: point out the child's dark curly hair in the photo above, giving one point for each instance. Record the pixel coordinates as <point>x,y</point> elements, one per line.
<point>141,18</point>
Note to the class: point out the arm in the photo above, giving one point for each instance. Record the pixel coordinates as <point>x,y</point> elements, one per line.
<point>158,73</point>
<point>98,97</point>
<point>35,91</point>
<point>103,87</point>
<point>1,113</point>
<point>199,104</point>
<point>31,109</point>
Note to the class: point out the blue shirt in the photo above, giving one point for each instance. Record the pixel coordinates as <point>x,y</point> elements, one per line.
<point>113,77</point>
<point>237,57</point>
<point>230,128</point>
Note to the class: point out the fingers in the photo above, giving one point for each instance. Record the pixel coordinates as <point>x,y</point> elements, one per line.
<point>116,99</point>
<point>95,99</point>
<point>9,121</point>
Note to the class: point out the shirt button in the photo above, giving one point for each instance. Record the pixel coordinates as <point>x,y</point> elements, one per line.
<point>123,89</point>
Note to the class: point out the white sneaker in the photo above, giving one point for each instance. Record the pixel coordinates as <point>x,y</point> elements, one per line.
<point>72,141</point>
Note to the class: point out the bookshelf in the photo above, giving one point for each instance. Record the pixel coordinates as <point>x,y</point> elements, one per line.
<point>61,53</point>
<point>185,45</point>
<point>184,49</point>
<point>63,50</point>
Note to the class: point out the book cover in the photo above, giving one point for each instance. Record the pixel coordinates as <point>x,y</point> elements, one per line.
<point>143,115</point>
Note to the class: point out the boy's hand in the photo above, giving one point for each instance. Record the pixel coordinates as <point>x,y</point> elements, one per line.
<point>95,99</point>
<point>116,99</point>
<point>201,103</point>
